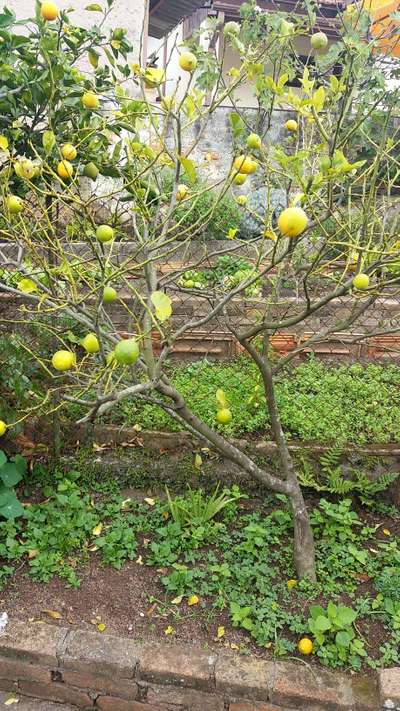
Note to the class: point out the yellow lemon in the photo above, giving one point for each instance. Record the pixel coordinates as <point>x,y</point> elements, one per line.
<point>188,61</point>
<point>65,169</point>
<point>25,169</point>
<point>245,164</point>
<point>68,151</point>
<point>224,416</point>
<point>305,646</point>
<point>91,343</point>
<point>153,76</point>
<point>14,204</point>
<point>3,428</point>
<point>238,178</point>
<point>254,141</point>
<point>49,11</point>
<point>63,360</point>
<point>182,192</point>
<point>291,125</point>
<point>361,281</point>
<point>90,100</point>
<point>292,221</point>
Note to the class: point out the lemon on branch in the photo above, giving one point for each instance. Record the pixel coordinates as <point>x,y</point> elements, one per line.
<point>63,360</point>
<point>292,221</point>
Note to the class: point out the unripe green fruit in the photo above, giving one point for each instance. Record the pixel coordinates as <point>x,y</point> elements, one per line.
<point>104,233</point>
<point>109,294</point>
<point>232,28</point>
<point>91,171</point>
<point>319,41</point>
<point>14,204</point>
<point>127,351</point>
<point>254,141</point>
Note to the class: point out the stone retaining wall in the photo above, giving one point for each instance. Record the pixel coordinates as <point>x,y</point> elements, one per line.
<point>95,671</point>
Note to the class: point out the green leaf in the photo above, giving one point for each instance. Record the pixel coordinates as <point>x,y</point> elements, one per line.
<point>7,18</point>
<point>94,7</point>
<point>343,639</point>
<point>20,463</point>
<point>318,99</point>
<point>10,507</point>
<point>322,624</point>
<point>189,168</point>
<point>237,124</point>
<point>3,458</point>
<point>346,615</point>
<point>162,304</point>
<point>316,611</point>
<point>48,141</point>
<point>10,475</point>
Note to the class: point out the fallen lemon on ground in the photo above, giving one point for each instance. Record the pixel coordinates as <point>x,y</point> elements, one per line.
<point>104,233</point>
<point>49,11</point>
<point>127,351</point>
<point>90,100</point>
<point>292,221</point>
<point>91,343</point>
<point>305,646</point>
<point>68,151</point>
<point>188,61</point>
<point>63,360</point>
<point>65,169</point>
<point>224,416</point>
<point>3,428</point>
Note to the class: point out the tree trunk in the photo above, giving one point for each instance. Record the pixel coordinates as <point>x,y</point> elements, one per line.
<point>303,547</point>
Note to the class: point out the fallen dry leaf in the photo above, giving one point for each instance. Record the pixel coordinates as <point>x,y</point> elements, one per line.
<point>150,501</point>
<point>33,553</point>
<point>53,614</point>
<point>11,700</point>
<point>220,631</point>
<point>139,560</point>
<point>97,529</point>
<point>193,600</point>
<point>177,600</point>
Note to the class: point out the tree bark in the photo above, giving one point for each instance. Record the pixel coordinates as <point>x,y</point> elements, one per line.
<point>303,546</point>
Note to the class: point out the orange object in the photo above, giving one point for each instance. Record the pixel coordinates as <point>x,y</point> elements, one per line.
<point>384,27</point>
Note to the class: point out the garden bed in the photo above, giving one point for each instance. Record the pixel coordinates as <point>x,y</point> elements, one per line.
<point>92,554</point>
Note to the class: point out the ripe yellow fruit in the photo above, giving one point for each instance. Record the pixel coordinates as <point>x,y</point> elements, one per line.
<point>153,76</point>
<point>305,646</point>
<point>245,164</point>
<point>65,169</point>
<point>49,11</point>
<point>14,204</point>
<point>291,125</point>
<point>241,199</point>
<point>361,281</point>
<point>104,233</point>
<point>319,41</point>
<point>182,192</point>
<point>188,61</point>
<point>90,343</point>
<point>224,416</point>
<point>3,428</point>
<point>68,151</point>
<point>292,221</point>
<point>254,141</point>
<point>25,169</point>
<point>238,178</point>
<point>63,360</point>
<point>109,294</point>
<point>90,100</point>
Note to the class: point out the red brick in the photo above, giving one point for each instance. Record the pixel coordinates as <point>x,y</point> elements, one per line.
<point>100,654</point>
<point>242,676</point>
<point>193,699</point>
<point>118,687</point>
<point>295,685</point>
<point>389,685</point>
<point>55,692</point>
<point>250,706</point>
<point>180,665</point>
<point>10,669</point>
<point>112,703</point>
<point>8,685</point>
<point>34,643</point>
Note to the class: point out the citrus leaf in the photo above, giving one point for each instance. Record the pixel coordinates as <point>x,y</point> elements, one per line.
<point>220,631</point>
<point>94,7</point>
<point>53,614</point>
<point>189,168</point>
<point>48,141</point>
<point>162,304</point>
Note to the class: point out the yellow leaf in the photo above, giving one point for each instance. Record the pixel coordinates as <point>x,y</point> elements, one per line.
<point>234,646</point>
<point>220,399</point>
<point>166,515</point>
<point>220,631</point>
<point>53,614</point>
<point>177,600</point>
<point>198,461</point>
<point>11,700</point>
<point>137,428</point>
<point>291,583</point>
<point>231,234</point>
<point>3,143</point>
<point>139,560</point>
<point>386,532</point>
<point>150,502</point>
<point>101,626</point>
<point>33,553</point>
<point>193,600</point>
<point>125,504</point>
<point>162,304</point>
<point>97,529</point>
<point>92,549</point>
<point>169,630</point>
<point>27,286</point>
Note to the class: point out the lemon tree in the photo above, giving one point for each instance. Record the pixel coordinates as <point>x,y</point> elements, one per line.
<point>107,312</point>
